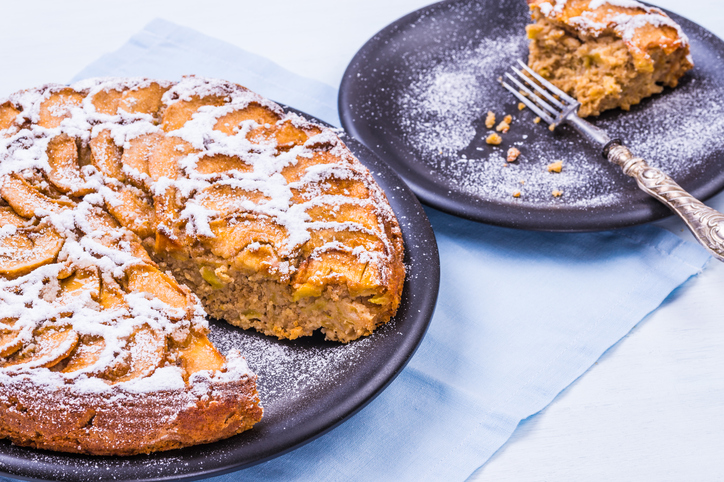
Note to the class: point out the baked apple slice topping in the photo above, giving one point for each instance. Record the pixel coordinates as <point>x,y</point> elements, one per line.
<point>8,114</point>
<point>86,356</point>
<point>51,344</point>
<point>28,248</point>
<point>133,210</point>
<point>220,163</point>
<point>106,155</point>
<point>180,112</point>
<point>11,339</point>
<point>147,351</point>
<point>145,278</point>
<point>58,106</point>
<point>229,124</point>
<point>27,200</point>
<point>64,168</point>
<point>83,285</point>
<point>143,100</point>
<point>198,354</point>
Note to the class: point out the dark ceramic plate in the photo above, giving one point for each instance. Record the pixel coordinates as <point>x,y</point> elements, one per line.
<point>307,386</point>
<point>418,92</point>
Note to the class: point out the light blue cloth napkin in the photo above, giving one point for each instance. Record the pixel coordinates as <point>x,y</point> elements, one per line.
<point>520,315</point>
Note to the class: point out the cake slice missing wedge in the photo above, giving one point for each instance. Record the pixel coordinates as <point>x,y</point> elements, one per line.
<point>114,192</point>
<point>606,53</point>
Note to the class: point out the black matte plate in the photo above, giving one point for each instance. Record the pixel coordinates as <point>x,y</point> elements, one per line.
<point>307,386</point>
<point>417,94</point>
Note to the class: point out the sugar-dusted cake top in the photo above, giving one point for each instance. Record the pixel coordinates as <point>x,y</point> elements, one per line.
<point>640,26</point>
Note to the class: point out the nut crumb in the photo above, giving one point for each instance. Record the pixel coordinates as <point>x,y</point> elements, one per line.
<point>521,106</point>
<point>516,194</point>
<point>555,167</point>
<point>490,120</point>
<point>557,193</point>
<point>494,139</point>
<point>503,127</point>
<point>513,154</point>
<point>536,120</point>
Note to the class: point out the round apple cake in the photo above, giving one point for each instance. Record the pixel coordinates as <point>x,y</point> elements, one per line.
<point>132,208</point>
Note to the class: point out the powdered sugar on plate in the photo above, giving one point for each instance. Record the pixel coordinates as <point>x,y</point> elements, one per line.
<point>448,102</point>
<point>442,107</point>
<point>289,371</point>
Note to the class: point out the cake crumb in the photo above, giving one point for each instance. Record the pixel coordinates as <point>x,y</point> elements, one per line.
<point>508,119</point>
<point>503,127</point>
<point>552,127</point>
<point>513,154</point>
<point>494,139</point>
<point>521,106</point>
<point>555,166</point>
<point>536,120</point>
<point>516,194</point>
<point>557,193</point>
<point>490,120</point>
<point>522,181</point>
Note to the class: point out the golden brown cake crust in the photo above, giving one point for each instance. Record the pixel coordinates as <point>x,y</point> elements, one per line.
<point>122,421</point>
<point>606,53</point>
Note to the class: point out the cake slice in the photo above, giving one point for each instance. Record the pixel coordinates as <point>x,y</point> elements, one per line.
<point>606,53</point>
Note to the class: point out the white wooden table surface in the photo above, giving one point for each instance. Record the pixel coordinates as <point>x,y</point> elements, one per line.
<point>650,409</point>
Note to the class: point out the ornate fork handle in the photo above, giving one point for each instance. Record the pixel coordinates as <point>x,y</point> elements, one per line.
<point>705,223</point>
<point>556,107</point>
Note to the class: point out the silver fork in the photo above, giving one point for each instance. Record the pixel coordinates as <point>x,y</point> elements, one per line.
<point>556,107</point>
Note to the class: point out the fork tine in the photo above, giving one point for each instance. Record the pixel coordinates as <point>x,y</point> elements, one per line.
<point>543,114</point>
<point>540,90</point>
<point>550,86</point>
<point>534,98</point>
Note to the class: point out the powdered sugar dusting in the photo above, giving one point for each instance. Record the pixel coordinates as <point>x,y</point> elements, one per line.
<point>449,103</point>
<point>616,3</point>
<point>600,16</point>
<point>547,8</point>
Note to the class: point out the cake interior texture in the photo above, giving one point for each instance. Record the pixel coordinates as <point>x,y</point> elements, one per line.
<point>606,55</point>
<point>254,300</point>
